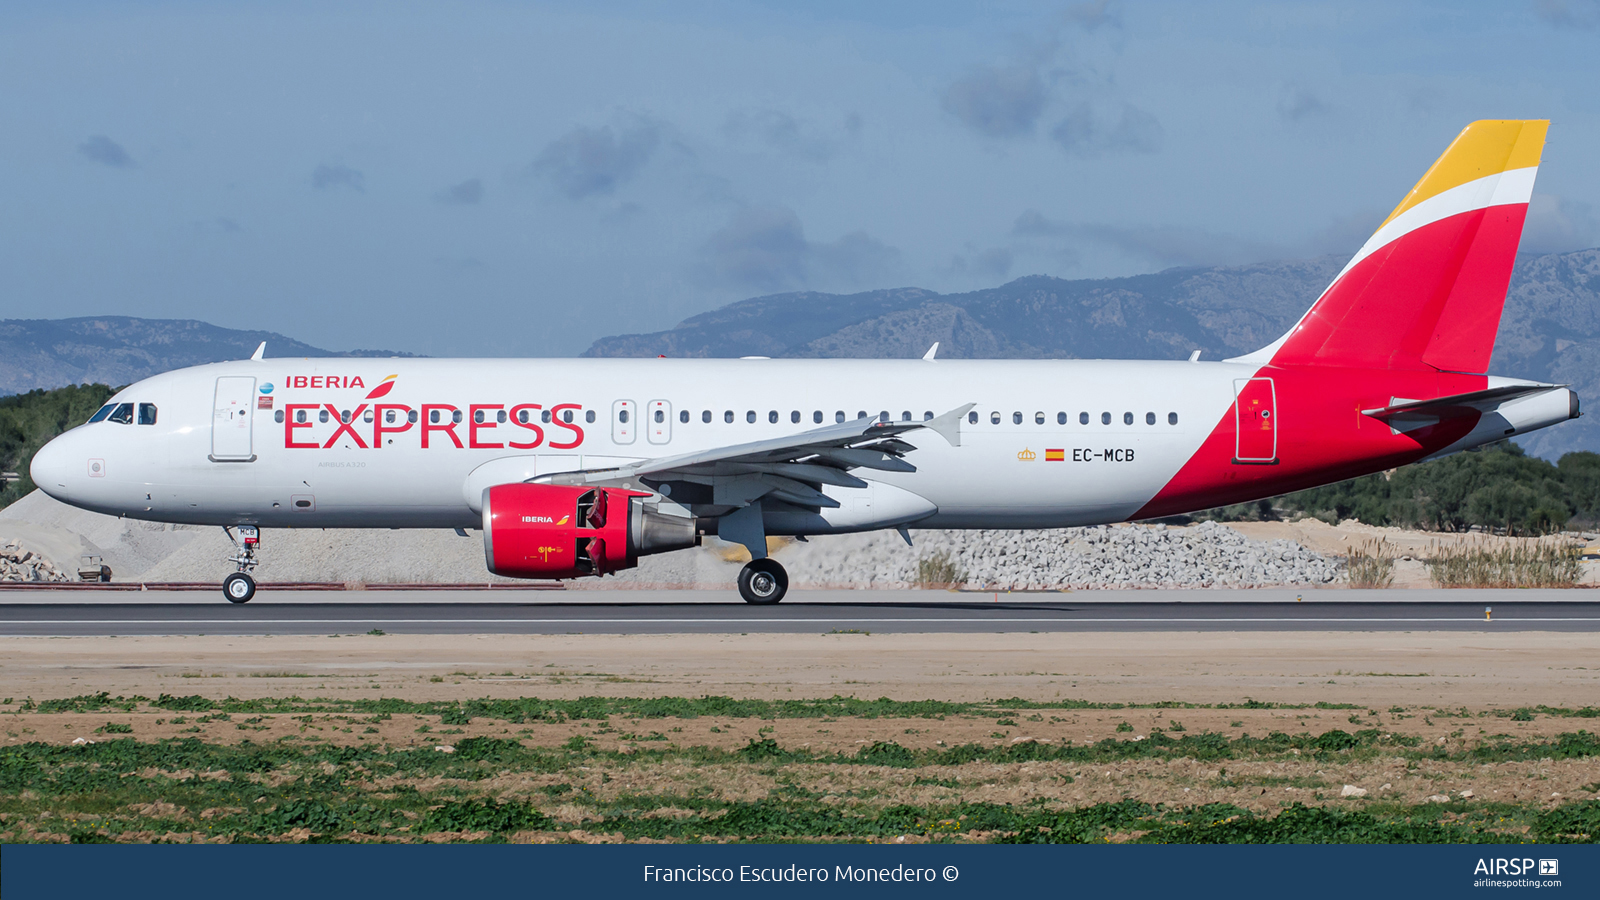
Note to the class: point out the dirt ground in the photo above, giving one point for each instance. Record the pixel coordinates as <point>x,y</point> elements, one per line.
<point>1372,669</point>
<point>1450,692</point>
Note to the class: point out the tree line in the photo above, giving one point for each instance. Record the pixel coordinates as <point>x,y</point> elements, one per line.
<point>28,421</point>
<point>1498,488</point>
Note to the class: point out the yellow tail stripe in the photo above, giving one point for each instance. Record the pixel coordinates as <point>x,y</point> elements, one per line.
<point>1488,147</point>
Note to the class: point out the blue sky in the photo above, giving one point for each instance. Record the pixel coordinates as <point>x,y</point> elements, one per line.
<point>488,179</point>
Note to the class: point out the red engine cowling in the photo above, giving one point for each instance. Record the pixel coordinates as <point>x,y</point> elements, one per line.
<point>566,531</point>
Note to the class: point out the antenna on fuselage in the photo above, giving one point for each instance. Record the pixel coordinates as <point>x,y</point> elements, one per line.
<point>261,352</point>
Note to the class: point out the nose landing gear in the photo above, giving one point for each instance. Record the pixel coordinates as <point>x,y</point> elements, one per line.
<point>240,587</point>
<point>763,582</point>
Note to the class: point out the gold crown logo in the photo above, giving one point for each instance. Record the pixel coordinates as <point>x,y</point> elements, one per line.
<point>1027,455</point>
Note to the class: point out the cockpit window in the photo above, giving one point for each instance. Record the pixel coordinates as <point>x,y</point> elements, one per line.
<point>147,414</point>
<point>103,412</point>
<point>123,414</point>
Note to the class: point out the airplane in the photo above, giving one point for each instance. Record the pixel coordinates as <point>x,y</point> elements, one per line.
<point>579,467</point>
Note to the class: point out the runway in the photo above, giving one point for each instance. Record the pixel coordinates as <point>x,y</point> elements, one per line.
<point>720,612</point>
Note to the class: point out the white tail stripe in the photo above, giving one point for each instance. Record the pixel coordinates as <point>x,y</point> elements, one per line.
<point>1499,189</point>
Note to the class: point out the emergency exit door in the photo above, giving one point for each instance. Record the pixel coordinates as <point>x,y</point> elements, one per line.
<point>624,422</point>
<point>231,418</point>
<point>1256,422</point>
<point>659,421</point>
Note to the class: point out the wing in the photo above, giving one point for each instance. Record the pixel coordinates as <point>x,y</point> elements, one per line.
<point>792,469</point>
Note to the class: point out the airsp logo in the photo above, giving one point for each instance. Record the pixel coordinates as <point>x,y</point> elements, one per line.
<point>1524,866</point>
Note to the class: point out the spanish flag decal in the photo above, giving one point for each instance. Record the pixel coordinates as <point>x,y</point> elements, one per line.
<point>1055,455</point>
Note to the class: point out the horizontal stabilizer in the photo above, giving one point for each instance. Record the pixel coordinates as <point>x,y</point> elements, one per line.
<point>1457,404</point>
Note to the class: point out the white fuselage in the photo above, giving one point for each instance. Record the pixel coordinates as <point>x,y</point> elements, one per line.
<point>1144,420</point>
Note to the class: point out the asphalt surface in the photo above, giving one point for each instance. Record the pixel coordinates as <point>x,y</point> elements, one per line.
<point>718,612</point>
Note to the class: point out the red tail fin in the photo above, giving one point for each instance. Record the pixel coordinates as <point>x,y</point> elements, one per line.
<point>1426,290</point>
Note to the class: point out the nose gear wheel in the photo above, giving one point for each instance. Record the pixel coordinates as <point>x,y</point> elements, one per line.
<point>238,588</point>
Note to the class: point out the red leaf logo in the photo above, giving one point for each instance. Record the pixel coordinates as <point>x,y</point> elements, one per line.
<point>383,388</point>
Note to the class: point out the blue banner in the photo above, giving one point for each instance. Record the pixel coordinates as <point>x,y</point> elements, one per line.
<point>306,872</point>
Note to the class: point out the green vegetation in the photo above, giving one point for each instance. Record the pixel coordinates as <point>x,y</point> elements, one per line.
<point>28,421</point>
<point>1370,565</point>
<point>1542,564</point>
<point>188,789</point>
<point>938,570</point>
<point>1499,488</point>
<point>534,709</point>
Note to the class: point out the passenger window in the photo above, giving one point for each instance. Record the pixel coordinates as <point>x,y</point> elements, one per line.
<point>838,416</point>
<point>566,416</point>
<point>1083,418</point>
<point>278,416</point>
<point>589,417</point>
<point>905,416</point>
<point>622,416</point>
<point>861,414</point>
<point>522,416</point>
<point>994,417</point>
<point>299,415</point>
<point>1038,418</point>
<point>1149,418</point>
<point>433,416</point>
<point>477,416</point>
<point>104,411</point>
<point>1061,418</point>
<point>544,417</point>
<point>727,416</point>
<point>344,416</point>
<point>367,417</point>
<point>660,416</point>
<point>499,416</point>
<point>455,416</point>
<point>705,416</point>
<point>772,417</point>
<point>1016,418</point>
<point>322,416</point>
<point>683,416</point>
<point>1105,418</point>
<point>1172,418</point>
<point>411,416</point>
<point>750,416</point>
<point>794,417</point>
<point>883,415</point>
<point>147,414</point>
<point>816,417</point>
<point>927,415</point>
<point>1127,418</point>
<point>972,418</point>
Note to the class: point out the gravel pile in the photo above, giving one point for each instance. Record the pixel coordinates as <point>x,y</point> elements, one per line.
<point>1120,556</point>
<point>17,564</point>
<point>37,530</point>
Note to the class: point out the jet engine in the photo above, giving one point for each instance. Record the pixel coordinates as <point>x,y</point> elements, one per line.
<point>568,531</point>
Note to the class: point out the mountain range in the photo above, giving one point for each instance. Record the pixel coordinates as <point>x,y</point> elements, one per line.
<point>1550,330</point>
<point>117,350</point>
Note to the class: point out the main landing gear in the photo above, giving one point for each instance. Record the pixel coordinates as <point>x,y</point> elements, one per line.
<point>240,587</point>
<point>763,582</point>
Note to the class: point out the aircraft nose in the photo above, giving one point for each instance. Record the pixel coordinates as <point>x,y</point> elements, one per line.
<point>49,469</point>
